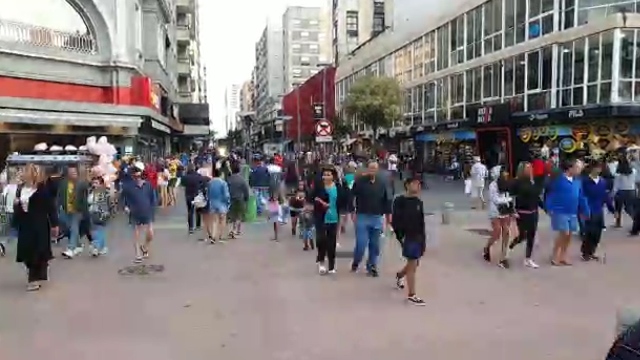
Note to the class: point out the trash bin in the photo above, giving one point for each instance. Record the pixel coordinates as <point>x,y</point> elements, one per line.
<point>252,209</point>
<point>447,211</point>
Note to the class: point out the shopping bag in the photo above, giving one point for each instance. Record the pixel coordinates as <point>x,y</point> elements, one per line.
<point>467,187</point>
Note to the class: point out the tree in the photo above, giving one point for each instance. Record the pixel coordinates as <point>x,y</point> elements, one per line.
<point>234,138</point>
<point>375,101</point>
<point>340,127</point>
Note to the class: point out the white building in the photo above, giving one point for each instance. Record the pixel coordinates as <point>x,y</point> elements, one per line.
<point>269,69</point>
<point>232,102</point>
<point>356,21</point>
<point>191,72</point>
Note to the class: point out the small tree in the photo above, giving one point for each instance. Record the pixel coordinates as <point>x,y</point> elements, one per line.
<point>340,127</point>
<point>375,101</point>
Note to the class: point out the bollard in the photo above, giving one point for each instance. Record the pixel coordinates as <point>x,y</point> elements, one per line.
<point>626,318</point>
<point>447,210</point>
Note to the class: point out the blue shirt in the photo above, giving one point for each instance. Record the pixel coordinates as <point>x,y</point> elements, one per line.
<point>349,179</point>
<point>331,216</point>
<point>565,196</point>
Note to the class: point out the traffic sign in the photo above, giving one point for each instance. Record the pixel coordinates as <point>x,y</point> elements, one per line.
<point>324,131</point>
<point>318,111</point>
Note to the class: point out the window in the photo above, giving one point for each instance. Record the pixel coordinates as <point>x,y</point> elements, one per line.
<point>296,48</point>
<point>138,27</point>
<point>443,47</point>
<point>352,23</point>
<point>492,26</point>
<point>304,34</point>
<point>161,46</point>
<point>474,33</point>
<point>457,41</point>
<point>313,22</point>
<point>429,50</point>
<point>378,24</point>
<point>295,21</point>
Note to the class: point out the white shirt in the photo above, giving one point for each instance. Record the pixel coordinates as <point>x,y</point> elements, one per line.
<point>478,174</point>
<point>274,169</point>
<point>25,195</point>
<point>9,195</point>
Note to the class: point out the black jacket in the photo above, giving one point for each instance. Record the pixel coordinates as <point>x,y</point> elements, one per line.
<point>192,183</point>
<point>318,191</point>
<point>372,198</point>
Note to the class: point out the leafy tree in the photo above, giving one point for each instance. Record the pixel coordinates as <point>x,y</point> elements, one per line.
<point>234,137</point>
<point>340,127</point>
<point>375,101</point>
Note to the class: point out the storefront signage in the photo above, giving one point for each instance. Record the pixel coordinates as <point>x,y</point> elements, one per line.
<point>485,115</point>
<point>155,96</point>
<point>164,128</point>
<point>535,133</point>
<point>580,131</point>
<point>574,114</point>
<point>453,125</point>
<point>538,117</point>
<point>568,145</point>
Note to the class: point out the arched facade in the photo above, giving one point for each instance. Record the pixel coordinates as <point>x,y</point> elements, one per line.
<point>78,30</point>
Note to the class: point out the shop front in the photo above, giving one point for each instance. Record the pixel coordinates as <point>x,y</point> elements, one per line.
<point>439,145</point>
<point>154,140</point>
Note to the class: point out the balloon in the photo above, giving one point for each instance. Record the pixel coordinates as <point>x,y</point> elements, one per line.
<point>40,147</point>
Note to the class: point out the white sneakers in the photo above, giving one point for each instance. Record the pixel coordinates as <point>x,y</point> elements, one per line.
<point>70,254</point>
<point>322,270</point>
<point>95,252</point>
<point>530,264</point>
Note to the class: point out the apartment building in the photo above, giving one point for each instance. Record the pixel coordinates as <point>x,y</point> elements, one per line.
<point>191,77</point>
<point>356,21</point>
<point>269,70</point>
<point>232,102</point>
<point>101,67</point>
<point>306,43</point>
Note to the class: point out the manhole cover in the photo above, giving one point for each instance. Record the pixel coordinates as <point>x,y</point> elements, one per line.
<point>141,269</point>
<point>482,232</point>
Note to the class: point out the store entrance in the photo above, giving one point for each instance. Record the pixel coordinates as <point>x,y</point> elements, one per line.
<point>494,146</point>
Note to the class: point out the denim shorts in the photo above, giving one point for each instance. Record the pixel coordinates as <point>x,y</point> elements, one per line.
<point>564,222</point>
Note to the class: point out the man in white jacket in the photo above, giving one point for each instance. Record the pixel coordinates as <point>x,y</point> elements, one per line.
<point>479,173</point>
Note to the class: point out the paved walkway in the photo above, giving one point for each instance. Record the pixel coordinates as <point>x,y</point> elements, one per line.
<point>252,298</point>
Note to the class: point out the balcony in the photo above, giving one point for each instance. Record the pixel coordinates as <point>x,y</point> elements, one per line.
<point>184,65</point>
<point>183,33</point>
<point>15,32</point>
<point>185,5</point>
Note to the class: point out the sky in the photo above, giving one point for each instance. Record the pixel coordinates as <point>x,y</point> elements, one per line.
<point>228,36</point>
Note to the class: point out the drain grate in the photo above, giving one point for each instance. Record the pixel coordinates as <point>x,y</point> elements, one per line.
<point>141,269</point>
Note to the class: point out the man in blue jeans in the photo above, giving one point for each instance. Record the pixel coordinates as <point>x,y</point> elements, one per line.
<point>373,201</point>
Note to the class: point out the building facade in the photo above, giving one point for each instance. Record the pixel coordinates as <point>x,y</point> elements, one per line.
<point>90,67</point>
<point>191,81</point>
<point>299,104</point>
<point>306,43</point>
<point>356,21</point>
<point>502,72</point>
<point>269,70</point>
<point>232,106</point>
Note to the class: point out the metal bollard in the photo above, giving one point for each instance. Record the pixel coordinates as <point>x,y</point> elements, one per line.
<point>447,210</point>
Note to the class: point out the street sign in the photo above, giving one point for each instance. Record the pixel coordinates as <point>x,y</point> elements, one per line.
<point>324,131</point>
<point>318,111</point>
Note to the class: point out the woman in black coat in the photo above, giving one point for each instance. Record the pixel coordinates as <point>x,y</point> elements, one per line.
<point>329,199</point>
<point>37,220</point>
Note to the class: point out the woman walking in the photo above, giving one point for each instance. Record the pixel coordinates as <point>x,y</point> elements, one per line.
<point>596,192</point>
<point>219,201</point>
<point>37,220</point>
<point>526,192</point>
<point>329,199</point>
<point>624,190</point>
<point>501,210</point>
<point>99,215</point>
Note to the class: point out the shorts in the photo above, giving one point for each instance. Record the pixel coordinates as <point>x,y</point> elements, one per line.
<point>293,212</point>
<point>218,208</point>
<point>173,182</point>
<point>307,234</point>
<point>564,222</point>
<point>141,220</point>
<point>413,250</point>
<point>237,210</point>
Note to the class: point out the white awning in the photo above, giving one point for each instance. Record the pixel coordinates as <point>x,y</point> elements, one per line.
<point>196,130</point>
<point>15,116</point>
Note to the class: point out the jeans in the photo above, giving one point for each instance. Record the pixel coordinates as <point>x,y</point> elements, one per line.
<point>368,232</point>
<point>326,241</point>
<point>193,215</point>
<point>625,200</point>
<point>262,195</point>
<point>72,225</point>
<point>99,235</point>
<point>593,234</point>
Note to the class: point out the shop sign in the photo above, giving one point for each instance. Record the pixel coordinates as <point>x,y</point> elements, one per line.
<point>575,114</point>
<point>453,125</point>
<point>568,145</point>
<point>580,131</point>
<point>485,115</point>
<point>538,117</point>
<point>443,137</point>
<point>155,95</point>
<point>535,133</point>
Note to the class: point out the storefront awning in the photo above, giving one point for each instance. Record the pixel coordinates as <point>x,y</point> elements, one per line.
<point>193,130</point>
<point>15,116</point>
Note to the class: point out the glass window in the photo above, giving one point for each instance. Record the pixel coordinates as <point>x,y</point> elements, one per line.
<point>477,84</point>
<point>566,65</point>
<point>606,55</point>
<point>520,74</point>
<point>535,8</point>
<point>468,85</point>
<point>593,59</point>
<point>547,68</point>
<point>578,62</point>
<point>533,70</point>
<point>627,47</point>
<point>430,95</point>
<point>457,88</point>
<point>508,76</point>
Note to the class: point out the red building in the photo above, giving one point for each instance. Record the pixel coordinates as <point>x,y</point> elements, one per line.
<point>302,99</point>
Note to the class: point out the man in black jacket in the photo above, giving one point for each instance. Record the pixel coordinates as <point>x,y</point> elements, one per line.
<point>193,184</point>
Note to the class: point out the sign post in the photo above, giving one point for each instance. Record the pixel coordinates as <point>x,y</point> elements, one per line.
<point>324,131</point>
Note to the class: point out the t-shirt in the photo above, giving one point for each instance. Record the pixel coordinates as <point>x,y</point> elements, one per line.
<point>349,179</point>
<point>71,197</point>
<point>331,216</point>
<point>173,170</point>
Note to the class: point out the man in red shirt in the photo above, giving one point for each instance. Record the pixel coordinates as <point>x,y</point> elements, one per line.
<point>151,175</point>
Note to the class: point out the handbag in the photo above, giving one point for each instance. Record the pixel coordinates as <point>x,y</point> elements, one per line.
<point>199,201</point>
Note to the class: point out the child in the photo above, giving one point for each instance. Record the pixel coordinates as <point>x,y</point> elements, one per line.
<point>409,226</point>
<point>306,227</point>
<point>296,205</point>
<point>274,211</point>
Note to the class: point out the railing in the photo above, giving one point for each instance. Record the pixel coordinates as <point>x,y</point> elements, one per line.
<point>16,32</point>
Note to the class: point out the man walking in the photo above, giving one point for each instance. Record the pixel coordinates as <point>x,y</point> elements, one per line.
<point>72,200</point>
<point>373,201</point>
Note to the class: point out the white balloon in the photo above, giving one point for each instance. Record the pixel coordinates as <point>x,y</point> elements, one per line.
<point>70,148</point>
<point>56,148</point>
<point>40,147</point>
<point>83,148</point>
<point>102,140</point>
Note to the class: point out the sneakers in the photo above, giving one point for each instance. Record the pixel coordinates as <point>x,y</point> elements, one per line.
<point>96,252</point>
<point>3,250</point>
<point>322,270</point>
<point>70,254</point>
<point>486,254</point>
<point>530,264</point>
<point>414,300</point>
<point>400,282</point>
<point>504,264</point>
<point>373,272</point>
<point>331,272</point>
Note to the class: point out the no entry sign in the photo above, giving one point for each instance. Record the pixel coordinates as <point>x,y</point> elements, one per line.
<point>324,131</point>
